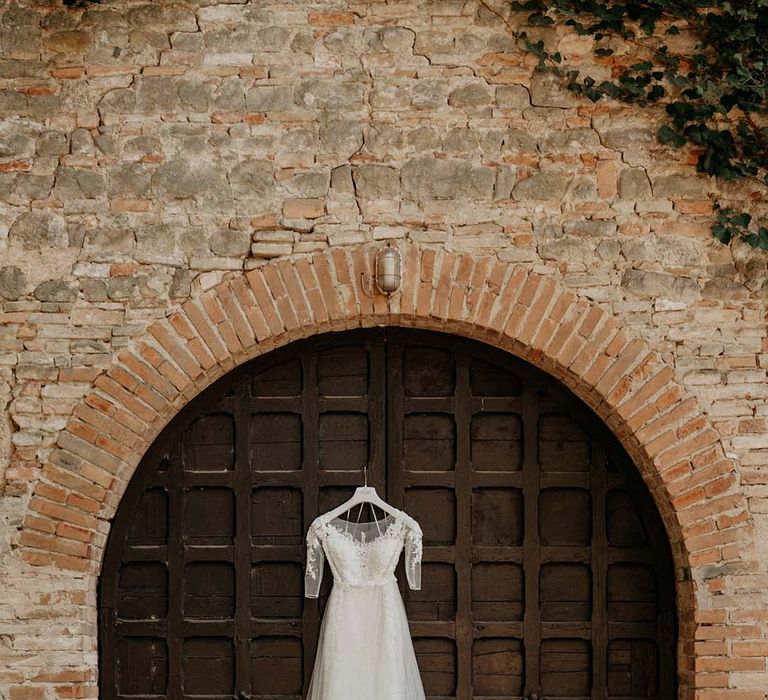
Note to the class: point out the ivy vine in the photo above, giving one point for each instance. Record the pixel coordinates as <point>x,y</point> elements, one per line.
<point>715,95</point>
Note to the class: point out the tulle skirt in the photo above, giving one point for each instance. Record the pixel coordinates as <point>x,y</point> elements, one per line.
<point>365,650</point>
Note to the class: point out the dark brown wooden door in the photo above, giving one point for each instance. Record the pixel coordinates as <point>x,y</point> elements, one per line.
<point>546,568</point>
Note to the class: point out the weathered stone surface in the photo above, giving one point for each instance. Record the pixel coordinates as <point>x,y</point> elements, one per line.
<point>383,139</point>
<point>12,282</point>
<point>683,186</point>
<point>548,91</point>
<point>460,140</point>
<point>547,184</point>
<point>53,143</point>
<point>254,178</point>
<point>472,95</point>
<point>634,184</point>
<point>81,142</point>
<point>429,94</point>
<point>596,228</point>
<point>74,183</point>
<point>181,284</point>
<point>38,230</point>
<point>269,98</point>
<point>70,42</point>
<point>431,178</point>
<point>56,290</point>
<point>519,140</point>
<point>182,177</point>
<point>391,39</point>
<point>121,287</point>
<point>341,180</point>
<point>309,184</point>
<point>342,136</point>
<point>303,208</point>
<point>573,249</point>
<point>376,181</point>
<point>110,240</point>
<point>506,179</point>
<point>670,251</point>
<point>129,180</point>
<point>94,289</point>
<point>513,97</point>
<point>627,139</point>
<point>571,141</point>
<point>330,94</point>
<point>648,284</point>
<point>230,244</point>
<point>12,102</point>
<point>166,17</point>
<point>720,288</point>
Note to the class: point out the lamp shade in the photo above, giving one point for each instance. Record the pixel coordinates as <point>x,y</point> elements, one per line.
<point>388,263</point>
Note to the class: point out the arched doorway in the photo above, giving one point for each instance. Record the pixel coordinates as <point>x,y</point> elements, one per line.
<point>546,570</point>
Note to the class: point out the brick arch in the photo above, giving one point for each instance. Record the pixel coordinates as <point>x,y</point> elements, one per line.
<point>529,314</point>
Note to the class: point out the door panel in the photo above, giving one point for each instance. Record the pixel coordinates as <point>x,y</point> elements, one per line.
<point>546,567</point>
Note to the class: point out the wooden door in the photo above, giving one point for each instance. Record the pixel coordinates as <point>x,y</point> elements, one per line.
<point>546,569</point>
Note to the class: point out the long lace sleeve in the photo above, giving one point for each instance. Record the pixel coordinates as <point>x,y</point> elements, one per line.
<point>313,574</point>
<point>413,551</point>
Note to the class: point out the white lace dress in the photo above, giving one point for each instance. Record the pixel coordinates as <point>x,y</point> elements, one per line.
<point>365,650</point>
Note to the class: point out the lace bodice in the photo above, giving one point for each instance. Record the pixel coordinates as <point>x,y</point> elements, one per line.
<point>362,554</point>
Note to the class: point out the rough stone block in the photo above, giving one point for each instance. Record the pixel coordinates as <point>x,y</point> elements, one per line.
<point>339,135</point>
<point>303,208</point>
<point>683,186</point>
<point>646,283</point>
<point>546,185</point>
<point>330,94</point>
<point>269,98</point>
<point>181,178</point>
<point>513,97</point>
<point>230,244</point>
<point>39,230</point>
<point>470,96</point>
<point>634,184</point>
<point>428,177</point>
<point>252,177</point>
<point>53,143</point>
<point>376,181</point>
<point>56,290</point>
<point>549,91</point>
<point>520,141</point>
<point>12,282</point>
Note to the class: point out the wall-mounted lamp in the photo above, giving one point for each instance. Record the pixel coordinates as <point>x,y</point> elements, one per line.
<point>387,267</point>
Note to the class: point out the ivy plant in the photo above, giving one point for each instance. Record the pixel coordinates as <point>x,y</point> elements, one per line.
<point>715,94</point>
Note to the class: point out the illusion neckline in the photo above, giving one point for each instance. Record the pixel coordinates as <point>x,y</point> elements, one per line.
<point>349,535</point>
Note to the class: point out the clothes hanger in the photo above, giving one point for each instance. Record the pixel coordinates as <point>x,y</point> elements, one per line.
<point>362,494</point>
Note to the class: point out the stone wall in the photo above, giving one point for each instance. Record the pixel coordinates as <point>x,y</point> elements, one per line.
<point>150,152</point>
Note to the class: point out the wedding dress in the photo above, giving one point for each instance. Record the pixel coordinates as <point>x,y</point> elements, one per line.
<point>364,650</point>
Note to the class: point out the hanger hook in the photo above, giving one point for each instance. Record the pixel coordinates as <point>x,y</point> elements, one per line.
<point>365,475</point>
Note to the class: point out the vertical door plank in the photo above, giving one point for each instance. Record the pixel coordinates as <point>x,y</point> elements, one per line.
<point>531,558</point>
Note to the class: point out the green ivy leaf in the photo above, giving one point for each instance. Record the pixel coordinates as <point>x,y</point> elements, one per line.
<point>669,137</point>
<point>723,234</point>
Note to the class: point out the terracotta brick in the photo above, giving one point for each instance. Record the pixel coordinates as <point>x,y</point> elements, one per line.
<point>508,294</point>
<point>331,19</point>
<point>324,273</point>
<point>164,335</point>
<point>183,326</point>
<point>265,301</point>
<point>538,306</point>
<point>236,316</point>
<point>53,544</point>
<point>295,293</point>
<point>27,692</point>
<point>252,311</point>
